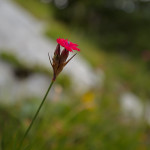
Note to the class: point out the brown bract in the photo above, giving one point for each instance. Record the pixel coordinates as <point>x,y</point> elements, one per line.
<point>59,61</point>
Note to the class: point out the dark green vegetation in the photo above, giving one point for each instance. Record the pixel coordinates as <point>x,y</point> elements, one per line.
<point>113,36</point>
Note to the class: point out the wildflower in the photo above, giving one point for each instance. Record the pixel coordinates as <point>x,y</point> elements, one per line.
<point>67,45</point>
<point>59,59</point>
<point>88,100</point>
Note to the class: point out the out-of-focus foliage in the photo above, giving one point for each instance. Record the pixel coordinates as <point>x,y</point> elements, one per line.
<point>117,25</point>
<point>71,125</point>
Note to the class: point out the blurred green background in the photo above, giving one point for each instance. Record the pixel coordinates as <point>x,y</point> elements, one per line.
<point>113,36</point>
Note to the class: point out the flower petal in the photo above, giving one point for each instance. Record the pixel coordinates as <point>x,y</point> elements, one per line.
<point>67,44</point>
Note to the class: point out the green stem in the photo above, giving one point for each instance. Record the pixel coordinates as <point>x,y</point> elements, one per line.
<point>36,114</point>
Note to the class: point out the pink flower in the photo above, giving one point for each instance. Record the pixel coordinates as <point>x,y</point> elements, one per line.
<point>67,45</point>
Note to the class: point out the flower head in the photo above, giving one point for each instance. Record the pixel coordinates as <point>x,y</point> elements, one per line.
<point>59,60</point>
<point>67,45</point>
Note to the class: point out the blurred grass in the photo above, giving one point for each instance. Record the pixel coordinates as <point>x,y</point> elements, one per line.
<point>70,125</point>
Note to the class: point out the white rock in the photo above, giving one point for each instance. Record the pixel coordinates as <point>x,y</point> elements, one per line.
<point>131,105</point>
